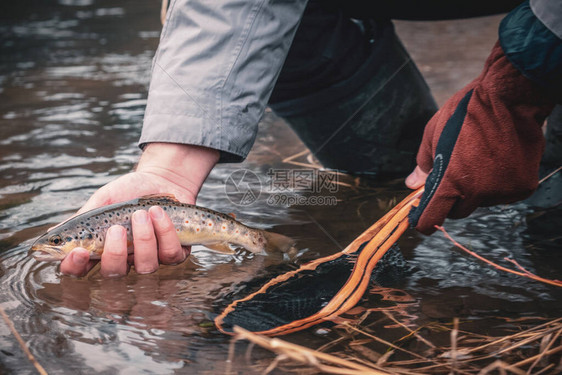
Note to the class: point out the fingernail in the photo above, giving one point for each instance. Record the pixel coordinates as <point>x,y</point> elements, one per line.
<point>115,233</point>
<point>80,257</point>
<point>157,212</point>
<point>410,179</point>
<point>140,217</point>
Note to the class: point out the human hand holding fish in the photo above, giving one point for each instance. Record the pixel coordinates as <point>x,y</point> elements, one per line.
<point>162,169</point>
<point>185,225</point>
<point>154,242</point>
<point>153,227</point>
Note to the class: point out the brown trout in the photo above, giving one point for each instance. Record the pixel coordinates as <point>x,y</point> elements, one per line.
<point>194,226</point>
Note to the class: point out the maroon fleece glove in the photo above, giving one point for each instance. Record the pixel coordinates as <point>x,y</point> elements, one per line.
<point>483,146</point>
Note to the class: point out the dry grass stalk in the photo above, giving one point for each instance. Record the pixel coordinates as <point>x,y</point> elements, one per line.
<point>22,344</point>
<point>311,163</point>
<point>519,340</point>
<point>326,363</point>
<point>502,367</point>
<point>550,175</point>
<point>414,333</point>
<point>538,356</point>
<point>545,349</point>
<point>454,335</point>
<point>456,359</point>
<point>531,332</point>
<point>382,341</point>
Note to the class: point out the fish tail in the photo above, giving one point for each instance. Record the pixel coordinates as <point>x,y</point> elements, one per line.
<point>277,242</point>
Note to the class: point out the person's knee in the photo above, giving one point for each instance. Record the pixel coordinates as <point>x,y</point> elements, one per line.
<point>328,48</point>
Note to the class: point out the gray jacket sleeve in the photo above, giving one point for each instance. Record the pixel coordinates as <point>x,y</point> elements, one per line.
<point>214,70</point>
<point>550,14</point>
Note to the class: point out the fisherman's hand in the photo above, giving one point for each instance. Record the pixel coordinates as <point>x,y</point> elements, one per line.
<point>163,169</point>
<point>482,148</point>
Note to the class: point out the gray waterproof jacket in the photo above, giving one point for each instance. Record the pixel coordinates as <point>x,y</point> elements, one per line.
<point>218,61</point>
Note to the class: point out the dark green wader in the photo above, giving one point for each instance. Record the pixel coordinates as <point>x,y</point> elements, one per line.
<point>549,193</point>
<point>350,90</point>
<point>372,121</point>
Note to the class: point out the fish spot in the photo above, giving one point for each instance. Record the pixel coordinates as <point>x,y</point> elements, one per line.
<point>223,228</point>
<point>210,224</point>
<point>106,221</point>
<point>187,221</point>
<point>90,236</point>
<point>197,229</point>
<point>117,213</point>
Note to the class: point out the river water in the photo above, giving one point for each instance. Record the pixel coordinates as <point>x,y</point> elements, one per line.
<point>73,85</point>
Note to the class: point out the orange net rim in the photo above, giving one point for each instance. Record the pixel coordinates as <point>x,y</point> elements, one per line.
<point>380,236</point>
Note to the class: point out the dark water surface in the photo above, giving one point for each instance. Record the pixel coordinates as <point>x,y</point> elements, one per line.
<point>73,84</point>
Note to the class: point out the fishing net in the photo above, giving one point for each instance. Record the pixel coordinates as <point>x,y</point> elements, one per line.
<point>322,289</point>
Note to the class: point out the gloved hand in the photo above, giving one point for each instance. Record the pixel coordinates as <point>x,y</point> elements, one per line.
<point>483,147</point>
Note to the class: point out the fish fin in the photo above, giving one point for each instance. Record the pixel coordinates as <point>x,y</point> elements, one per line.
<point>278,242</point>
<point>165,197</point>
<point>221,247</point>
<point>232,215</point>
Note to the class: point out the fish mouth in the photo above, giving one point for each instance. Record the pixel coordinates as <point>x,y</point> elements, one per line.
<point>46,255</point>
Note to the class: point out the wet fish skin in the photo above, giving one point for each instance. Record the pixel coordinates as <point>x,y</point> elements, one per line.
<point>194,225</point>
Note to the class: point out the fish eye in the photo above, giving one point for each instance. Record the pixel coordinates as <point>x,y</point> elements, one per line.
<point>55,240</point>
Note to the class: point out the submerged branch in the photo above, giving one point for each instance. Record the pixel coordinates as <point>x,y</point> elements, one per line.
<point>523,272</point>
<point>324,362</point>
<point>22,344</point>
